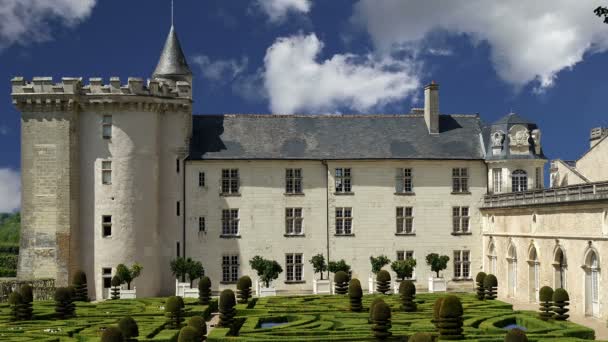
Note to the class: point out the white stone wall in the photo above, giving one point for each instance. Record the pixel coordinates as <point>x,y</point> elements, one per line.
<point>593,164</point>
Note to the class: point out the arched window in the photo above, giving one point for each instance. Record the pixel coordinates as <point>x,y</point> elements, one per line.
<point>492,259</point>
<point>559,262</point>
<point>519,181</point>
<point>534,274</point>
<point>512,270</point>
<point>592,283</point>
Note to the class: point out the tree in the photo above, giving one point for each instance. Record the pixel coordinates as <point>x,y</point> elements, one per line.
<point>204,291</point>
<point>481,291</point>
<point>355,293</point>
<point>200,326</point>
<point>437,263</point>
<point>179,268</point>
<point>194,270</point>
<point>15,300</point>
<point>116,282</point>
<point>129,328</point>
<point>371,308</point>
<point>318,264</point>
<point>407,293</point>
<point>112,334</point>
<point>383,282</point>
<point>450,318</point>
<point>174,312</point>
<point>79,282</point>
<point>336,266</point>
<point>268,270</point>
<point>64,306</point>
<point>378,263</point>
<point>244,289</point>
<point>490,284</point>
<point>127,275</point>
<point>25,310</point>
<point>560,302</point>
<point>188,334</point>
<point>226,308</point>
<point>545,296</point>
<point>404,268</point>
<point>602,11</point>
<point>381,318</point>
<point>341,283</point>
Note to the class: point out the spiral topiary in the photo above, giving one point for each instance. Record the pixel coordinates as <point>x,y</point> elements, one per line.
<point>371,307</point>
<point>516,335</point>
<point>421,337</point>
<point>244,289</point>
<point>227,310</point>
<point>188,334</point>
<point>204,290</point>
<point>355,293</point>
<point>560,303</point>
<point>198,323</point>
<point>112,334</point>
<point>129,328</point>
<point>15,300</point>
<point>436,309</point>
<point>25,309</point>
<point>545,296</point>
<point>341,282</point>
<point>407,293</point>
<point>64,306</point>
<point>79,282</point>
<point>381,319</point>
<point>174,312</point>
<point>383,282</point>
<point>490,284</point>
<point>450,315</point>
<point>116,282</point>
<point>481,291</point>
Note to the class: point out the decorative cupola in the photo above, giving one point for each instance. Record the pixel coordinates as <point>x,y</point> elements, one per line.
<point>172,66</point>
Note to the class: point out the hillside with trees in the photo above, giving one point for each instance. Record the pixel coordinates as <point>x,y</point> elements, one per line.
<point>10,226</point>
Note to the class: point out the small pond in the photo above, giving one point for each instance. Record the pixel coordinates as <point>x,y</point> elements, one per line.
<point>514,326</point>
<point>271,324</point>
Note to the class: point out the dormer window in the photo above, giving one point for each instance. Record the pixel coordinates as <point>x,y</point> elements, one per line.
<point>519,181</point>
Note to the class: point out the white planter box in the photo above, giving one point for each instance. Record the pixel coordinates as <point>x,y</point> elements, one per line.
<point>437,285</point>
<point>321,286</point>
<point>268,292</point>
<point>396,287</point>
<point>180,288</point>
<point>371,284</point>
<point>128,294</point>
<point>190,293</point>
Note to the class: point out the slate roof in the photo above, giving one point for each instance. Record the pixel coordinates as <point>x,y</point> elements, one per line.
<point>512,119</point>
<point>172,61</point>
<point>334,137</point>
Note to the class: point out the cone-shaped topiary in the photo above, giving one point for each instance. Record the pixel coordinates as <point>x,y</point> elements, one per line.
<point>450,315</point>
<point>516,335</point>
<point>79,282</point>
<point>204,290</point>
<point>545,296</point>
<point>383,282</point>
<point>244,289</point>
<point>490,284</point>
<point>341,282</point>
<point>227,310</point>
<point>188,334</point>
<point>15,300</point>
<point>174,312</point>
<point>355,293</point>
<point>25,309</point>
<point>436,308</point>
<point>381,319</point>
<point>560,303</point>
<point>421,337</point>
<point>64,307</point>
<point>407,293</point>
<point>198,323</point>
<point>112,334</point>
<point>116,282</point>
<point>371,307</point>
<point>129,328</point>
<point>481,291</point>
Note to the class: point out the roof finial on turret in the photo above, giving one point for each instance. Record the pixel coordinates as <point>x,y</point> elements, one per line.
<point>172,65</point>
<point>172,13</point>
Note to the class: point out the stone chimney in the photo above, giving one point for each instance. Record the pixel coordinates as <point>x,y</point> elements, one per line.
<point>596,135</point>
<point>431,107</point>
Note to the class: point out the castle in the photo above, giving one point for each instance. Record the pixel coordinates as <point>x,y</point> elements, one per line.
<point>123,173</point>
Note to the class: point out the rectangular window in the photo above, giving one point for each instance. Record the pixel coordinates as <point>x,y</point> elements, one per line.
<point>230,222</point>
<point>344,221</point>
<point>230,181</point>
<point>460,180</point>
<point>462,264</point>
<point>539,178</point>
<point>201,179</point>
<point>293,181</point>
<point>106,275</point>
<point>343,180</point>
<point>201,224</point>
<point>106,172</point>
<point>460,219</point>
<point>293,221</point>
<point>106,127</point>
<point>106,225</point>
<point>294,267</point>
<point>497,180</point>
<point>405,220</point>
<point>177,208</point>
<point>230,268</point>
<point>404,181</point>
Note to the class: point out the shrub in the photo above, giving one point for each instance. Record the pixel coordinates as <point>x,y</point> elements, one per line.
<point>174,312</point>
<point>204,290</point>
<point>371,307</point>
<point>560,303</point>
<point>436,309</point>
<point>381,319</point>
<point>318,264</point>
<point>179,268</point>
<point>404,268</point>
<point>198,323</point>
<point>112,334</point>
<point>421,337</point>
<point>437,263</point>
<point>79,281</point>
<point>341,282</point>
<point>546,297</point>
<point>450,316</point>
<point>195,270</point>
<point>516,335</point>
<point>128,327</point>
<point>355,293</point>
<point>490,284</point>
<point>15,300</point>
<point>481,291</point>
<point>116,282</point>
<point>25,309</point>
<point>407,292</point>
<point>378,263</point>
<point>227,310</point>
<point>64,306</point>
<point>337,266</point>
<point>268,270</point>
<point>188,334</point>
<point>127,275</point>
<point>383,282</point>
<point>244,289</point>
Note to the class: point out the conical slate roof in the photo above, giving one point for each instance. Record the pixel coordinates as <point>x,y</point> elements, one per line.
<point>172,63</point>
<point>512,119</point>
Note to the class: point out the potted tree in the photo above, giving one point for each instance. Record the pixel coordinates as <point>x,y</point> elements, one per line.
<point>195,270</point>
<point>320,286</point>
<point>337,266</point>
<point>377,264</point>
<point>268,270</point>
<point>438,263</point>
<point>404,270</point>
<point>126,276</point>
<point>179,268</point>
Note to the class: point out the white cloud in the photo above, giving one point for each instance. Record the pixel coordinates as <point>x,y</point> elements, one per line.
<point>296,81</point>
<point>530,41</point>
<point>23,21</point>
<point>220,70</point>
<point>10,190</point>
<point>277,10</point>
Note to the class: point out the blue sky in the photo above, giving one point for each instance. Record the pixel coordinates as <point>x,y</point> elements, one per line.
<point>543,60</point>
